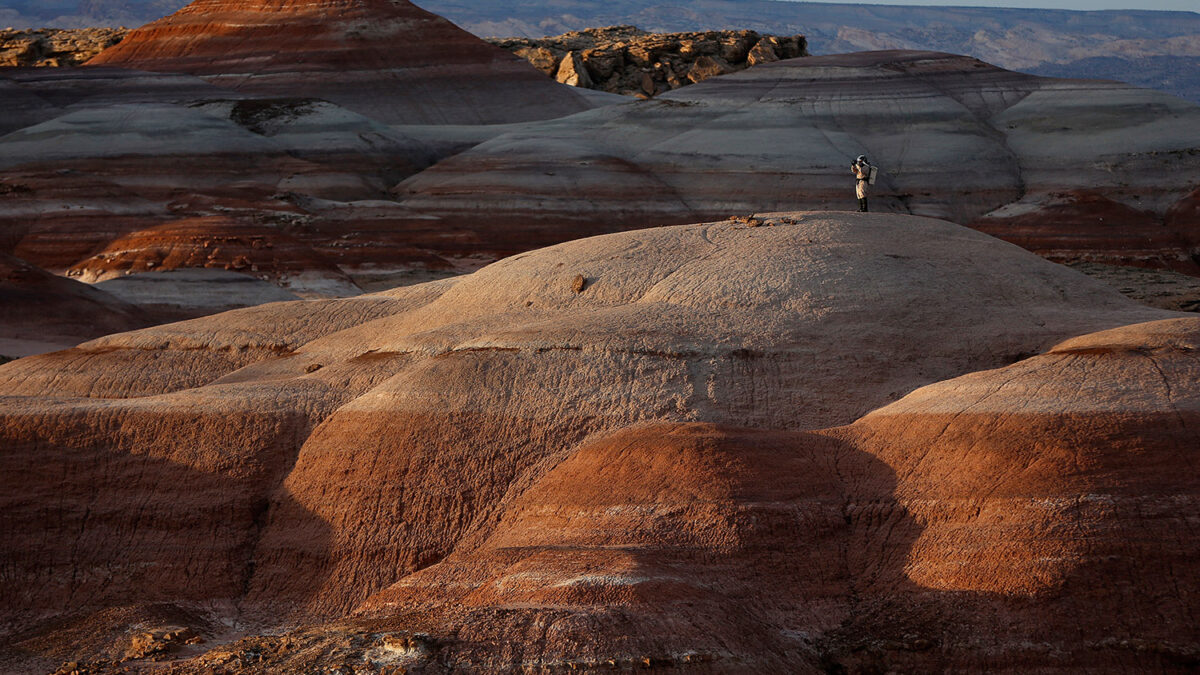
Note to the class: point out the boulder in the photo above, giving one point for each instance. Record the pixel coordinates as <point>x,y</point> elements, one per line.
<point>572,71</point>
<point>763,52</point>
<point>706,67</point>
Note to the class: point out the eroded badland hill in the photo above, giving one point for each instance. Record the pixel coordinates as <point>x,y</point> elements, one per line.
<point>353,343</point>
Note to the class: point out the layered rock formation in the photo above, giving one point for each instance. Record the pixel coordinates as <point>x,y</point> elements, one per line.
<point>100,154</point>
<point>1153,49</point>
<point>97,161</point>
<point>51,47</point>
<point>625,60</point>
<point>83,184</point>
<point>954,138</point>
<point>386,59</point>
<point>369,461</point>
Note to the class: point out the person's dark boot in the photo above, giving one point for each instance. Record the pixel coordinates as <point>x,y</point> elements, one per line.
<point>862,205</point>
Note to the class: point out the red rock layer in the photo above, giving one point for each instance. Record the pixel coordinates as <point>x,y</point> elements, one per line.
<point>664,544</point>
<point>1082,225</point>
<point>211,242</point>
<point>384,58</point>
<point>1016,519</point>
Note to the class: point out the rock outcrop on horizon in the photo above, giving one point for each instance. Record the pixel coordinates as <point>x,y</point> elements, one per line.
<point>1088,169</point>
<point>632,62</point>
<point>51,47</point>
<point>386,59</point>
<point>1146,48</point>
<point>683,478</point>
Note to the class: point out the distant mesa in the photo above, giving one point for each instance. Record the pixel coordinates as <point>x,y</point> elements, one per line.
<point>386,59</point>
<point>1146,48</point>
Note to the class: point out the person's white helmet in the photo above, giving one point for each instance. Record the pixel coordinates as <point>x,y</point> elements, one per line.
<point>861,158</point>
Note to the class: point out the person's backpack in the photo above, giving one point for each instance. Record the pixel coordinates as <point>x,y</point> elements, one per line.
<point>871,175</point>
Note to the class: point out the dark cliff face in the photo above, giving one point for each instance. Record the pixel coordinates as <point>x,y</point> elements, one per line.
<point>629,61</point>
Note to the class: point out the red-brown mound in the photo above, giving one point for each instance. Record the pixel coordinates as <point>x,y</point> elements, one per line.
<point>683,544</point>
<point>220,243</point>
<point>385,58</point>
<point>38,308</point>
<point>1011,519</point>
<point>1082,225</point>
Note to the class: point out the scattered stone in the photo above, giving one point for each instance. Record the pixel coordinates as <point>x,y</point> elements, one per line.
<point>155,644</point>
<point>578,283</point>
<point>748,221</point>
<point>708,66</point>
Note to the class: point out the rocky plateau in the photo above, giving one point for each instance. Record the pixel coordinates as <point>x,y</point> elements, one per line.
<point>626,60</point>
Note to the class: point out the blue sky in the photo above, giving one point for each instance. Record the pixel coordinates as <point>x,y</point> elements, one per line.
<point>1179,5</point>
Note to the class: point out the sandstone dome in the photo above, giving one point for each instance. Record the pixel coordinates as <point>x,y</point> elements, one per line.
<point>386,59</point>
<point>421,456</point>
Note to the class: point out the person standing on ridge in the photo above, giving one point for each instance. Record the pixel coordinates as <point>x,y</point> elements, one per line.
<point>862,169</point>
